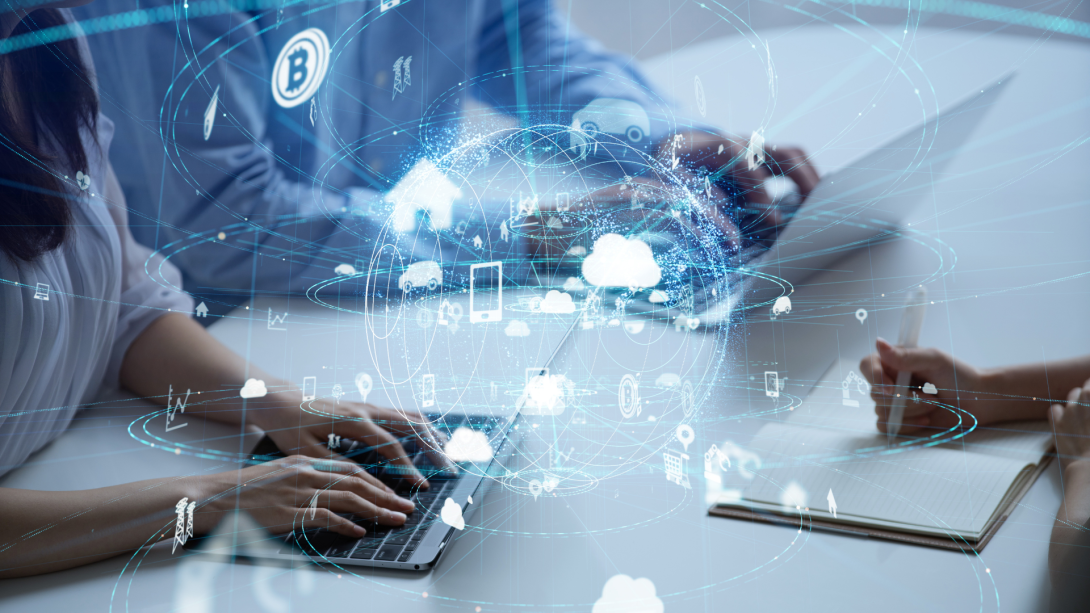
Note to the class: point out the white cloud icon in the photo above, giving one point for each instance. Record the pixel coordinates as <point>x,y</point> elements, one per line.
<point>254,388</point>
<point>557,302</point>
<point>929,388</point>
<point>573,284</point>
<point>623,594</point>
<point>517,328</point>
<point>658,297</point>
<point>793,496</point>
<point>544,395</point>
<point>619,262</point>
<point>452,514</point>
<point>468,445</point>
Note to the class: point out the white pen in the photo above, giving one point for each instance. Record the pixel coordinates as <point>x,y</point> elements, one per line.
<point>911,322</point>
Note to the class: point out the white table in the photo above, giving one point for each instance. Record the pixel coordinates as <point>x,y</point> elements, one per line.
<point>1013,213</point>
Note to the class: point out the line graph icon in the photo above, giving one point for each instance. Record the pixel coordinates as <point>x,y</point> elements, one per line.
<point>277,322</point>
<point>174,408</point>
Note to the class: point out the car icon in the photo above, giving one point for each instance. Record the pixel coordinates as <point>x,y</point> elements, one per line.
<point>421,274</point>
<point>613,116</point>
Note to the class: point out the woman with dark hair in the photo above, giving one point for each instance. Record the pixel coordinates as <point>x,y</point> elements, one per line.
<point>78,313</point>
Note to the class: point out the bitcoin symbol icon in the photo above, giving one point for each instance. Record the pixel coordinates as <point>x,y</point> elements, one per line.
<point>300,68</point>
<point>297,69</point>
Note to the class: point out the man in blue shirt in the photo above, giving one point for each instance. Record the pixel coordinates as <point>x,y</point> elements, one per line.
<point>279,196</point>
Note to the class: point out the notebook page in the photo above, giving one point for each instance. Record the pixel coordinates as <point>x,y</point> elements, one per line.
<point>932,487</point>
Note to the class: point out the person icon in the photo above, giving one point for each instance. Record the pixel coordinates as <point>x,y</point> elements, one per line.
<point>505,234</point>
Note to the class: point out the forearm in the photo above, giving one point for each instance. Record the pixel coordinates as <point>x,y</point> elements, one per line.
<point>42,532</point>
<point>197,362</point>
<point>1026,391</point>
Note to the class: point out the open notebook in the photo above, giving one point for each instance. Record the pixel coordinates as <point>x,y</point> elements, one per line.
<point>951,494</point>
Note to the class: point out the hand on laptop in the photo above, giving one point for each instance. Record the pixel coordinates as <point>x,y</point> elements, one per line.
<point>307,430</point>
<point>928,365</point>
<point>727,154</point>
<point>279,495</point>
<point>1071,423</point>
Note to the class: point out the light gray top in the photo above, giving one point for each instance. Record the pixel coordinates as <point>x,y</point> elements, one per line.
<point>61,345</point>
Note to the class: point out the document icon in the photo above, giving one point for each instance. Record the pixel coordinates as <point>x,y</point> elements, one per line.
<point>428,389</point>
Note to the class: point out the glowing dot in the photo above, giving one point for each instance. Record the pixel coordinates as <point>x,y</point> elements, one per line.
<point>425,594</point>
<point>338,576</point>
<point>987,570</point>
<point>478,609</point>
<point>395,132</point>
<point>222,236</point>
<point>177,451</point>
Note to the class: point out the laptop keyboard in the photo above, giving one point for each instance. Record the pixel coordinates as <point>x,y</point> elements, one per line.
<point>394,543</point>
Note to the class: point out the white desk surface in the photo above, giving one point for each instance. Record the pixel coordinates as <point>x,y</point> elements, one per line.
<point>1014,215</point>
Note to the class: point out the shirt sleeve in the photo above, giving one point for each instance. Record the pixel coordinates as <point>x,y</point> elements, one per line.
<point>186,184</point>
<point>150,285</point>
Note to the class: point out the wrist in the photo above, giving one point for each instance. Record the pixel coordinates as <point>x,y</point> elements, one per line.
<point>1010,396</point>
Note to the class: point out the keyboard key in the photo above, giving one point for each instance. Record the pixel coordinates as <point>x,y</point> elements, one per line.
<point>363,553</point>
<point>412,546</point>
<point>405,556</point>
<point>339,552</point>
<point>399,539</point>
<point>388,553</point>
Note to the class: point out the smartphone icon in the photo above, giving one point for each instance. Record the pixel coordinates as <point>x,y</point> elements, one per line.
<point>310,388</point>
<point>772,384</point>
<point>486,292</point>
<point>428,389</point>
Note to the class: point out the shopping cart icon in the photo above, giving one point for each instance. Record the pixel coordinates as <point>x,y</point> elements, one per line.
<point>675,468</point>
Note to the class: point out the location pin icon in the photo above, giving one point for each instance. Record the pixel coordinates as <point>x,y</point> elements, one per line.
<point>685,435</point>
<point>363,384</point>
<point>861,315</point>
<point>535,488</point>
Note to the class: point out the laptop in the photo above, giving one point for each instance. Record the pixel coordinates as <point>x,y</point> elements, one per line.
<point>421,541</point>
<point>862,204</point>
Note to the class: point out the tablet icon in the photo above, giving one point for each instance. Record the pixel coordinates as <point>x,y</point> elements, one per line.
<point>486,292</point>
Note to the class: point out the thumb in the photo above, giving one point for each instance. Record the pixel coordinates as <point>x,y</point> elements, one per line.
<point>1056,414</point>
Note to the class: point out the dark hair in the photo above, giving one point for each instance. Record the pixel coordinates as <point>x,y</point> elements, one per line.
<point>54,83</point>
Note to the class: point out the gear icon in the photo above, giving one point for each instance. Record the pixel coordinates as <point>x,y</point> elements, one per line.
<point>297,69</point>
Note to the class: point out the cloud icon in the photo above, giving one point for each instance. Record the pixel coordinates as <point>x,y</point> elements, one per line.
<point>619,262</point>
<point>658,297</point>
<point>929,388</point>
<point>667,379</point>
<point>517,328</point>
<point>623,594</point>
<point>793,497</point>
<point>573,284</point>
<point>452,514</point>
<point>254,388</point>
<point>468,445</point>
<point>557,302</point>
<point>544,395</point>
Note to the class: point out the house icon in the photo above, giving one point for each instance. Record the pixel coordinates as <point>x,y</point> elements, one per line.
<point>202,310</point>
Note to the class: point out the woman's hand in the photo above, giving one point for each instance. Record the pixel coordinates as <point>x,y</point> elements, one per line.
<point>1071,424</point>
<point>957,383</point>
<point>304,428</point>
<point>278,495</point>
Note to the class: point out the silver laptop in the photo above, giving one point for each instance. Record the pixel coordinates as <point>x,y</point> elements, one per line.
<point>462,386</point>
<point>864,202</point>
